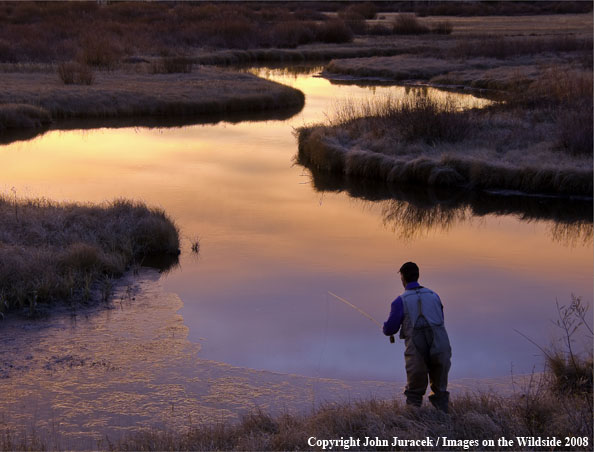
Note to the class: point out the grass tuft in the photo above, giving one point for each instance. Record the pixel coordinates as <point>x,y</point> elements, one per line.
<point>443,27</point>
<point>57,252</point>
<point>416,116</point>
<point>408,24</point>
<point>72,73</point>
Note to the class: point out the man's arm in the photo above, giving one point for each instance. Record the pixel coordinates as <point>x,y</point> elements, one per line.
<point>392,325</point>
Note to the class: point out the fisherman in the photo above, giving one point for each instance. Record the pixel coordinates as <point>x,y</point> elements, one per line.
<point>418,314</point>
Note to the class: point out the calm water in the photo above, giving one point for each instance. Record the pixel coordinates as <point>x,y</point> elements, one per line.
<point>274,240</point>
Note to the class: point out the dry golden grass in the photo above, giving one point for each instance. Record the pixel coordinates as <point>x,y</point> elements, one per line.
<point>59,251</point>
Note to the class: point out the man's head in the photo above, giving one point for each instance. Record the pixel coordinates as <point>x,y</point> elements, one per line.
<point>409,272</point>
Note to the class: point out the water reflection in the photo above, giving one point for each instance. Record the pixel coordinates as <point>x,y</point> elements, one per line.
<point>151,122</point>
<point>413,211</point>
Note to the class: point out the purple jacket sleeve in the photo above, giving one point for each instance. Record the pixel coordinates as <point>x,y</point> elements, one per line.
<point>392,325</point>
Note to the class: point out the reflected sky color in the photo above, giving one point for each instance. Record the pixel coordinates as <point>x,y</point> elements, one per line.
<point>271,247</point>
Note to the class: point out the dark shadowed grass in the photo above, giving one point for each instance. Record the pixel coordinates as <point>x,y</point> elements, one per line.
<point>58,251</point>
<point>22,116</point>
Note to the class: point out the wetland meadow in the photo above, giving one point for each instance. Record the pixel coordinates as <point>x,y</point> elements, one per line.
<point>183,184</point>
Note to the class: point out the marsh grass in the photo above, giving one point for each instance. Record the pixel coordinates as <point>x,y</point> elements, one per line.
<point>73,73</point>
<point>59,251</point>
<point>568,95</point>
<point>500,47</point>
<point>416,116</point>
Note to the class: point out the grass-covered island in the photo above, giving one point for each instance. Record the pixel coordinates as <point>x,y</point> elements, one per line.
<point>34,99</point>
<point>536,139</point>
<point>65,252</point>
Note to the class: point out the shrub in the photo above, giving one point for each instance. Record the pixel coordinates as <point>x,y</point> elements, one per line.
<point>356,24</point>
<point>408,24</point>
<point>231,32</point>
<point>100,50</point>
<point>292,33</point>
<point>72,73</point>
<point>367,10</point>
<point>309,14</point>
<point>354,16</point>
<point>334,31</point>
<point>572,371</point>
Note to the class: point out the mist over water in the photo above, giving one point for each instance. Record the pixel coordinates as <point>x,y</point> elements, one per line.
<point>275,238</point>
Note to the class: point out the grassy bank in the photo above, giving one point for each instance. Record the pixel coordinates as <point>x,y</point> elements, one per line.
<point>476,418</point>
<point>64,252</point>
<point>32,99</point>
<point>556,403</point>
<point>538,140</point>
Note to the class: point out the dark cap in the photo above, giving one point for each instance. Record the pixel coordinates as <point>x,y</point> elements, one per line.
<point>410,271</point>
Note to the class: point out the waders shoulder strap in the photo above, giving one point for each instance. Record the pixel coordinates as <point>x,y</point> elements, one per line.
<point>420,308</point>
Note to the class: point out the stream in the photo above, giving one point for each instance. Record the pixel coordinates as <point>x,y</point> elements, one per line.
<point>248,320</point>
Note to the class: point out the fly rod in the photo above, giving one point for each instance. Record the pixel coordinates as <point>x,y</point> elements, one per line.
<point>360,311</point>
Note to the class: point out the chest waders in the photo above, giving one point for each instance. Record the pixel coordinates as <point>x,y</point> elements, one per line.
<point>428,352</point>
